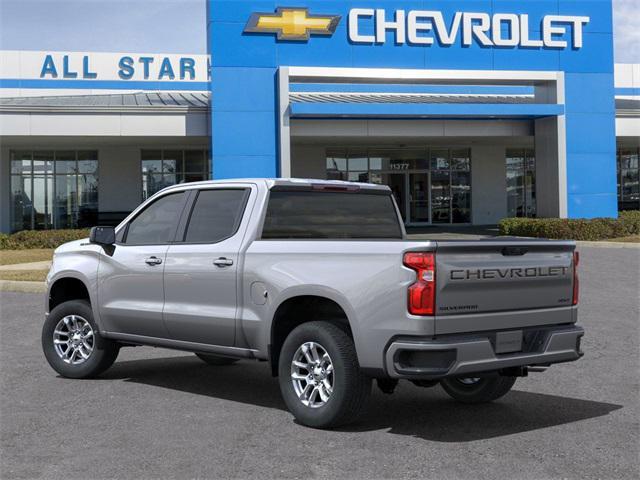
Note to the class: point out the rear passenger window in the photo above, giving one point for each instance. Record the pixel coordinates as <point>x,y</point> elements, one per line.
<point>313,215</point>
<point>156,224</point>
<point>216,215</point>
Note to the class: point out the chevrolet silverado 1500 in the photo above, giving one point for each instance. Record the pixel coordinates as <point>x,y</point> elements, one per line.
<point>318,279</point>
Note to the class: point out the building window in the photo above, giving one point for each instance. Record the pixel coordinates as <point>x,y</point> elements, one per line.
<point>53,189</point>
<point>628,178</point>
<point>451,185</point>
<point>430,185</point>
<point>163,168</point>
<point>521,182</point>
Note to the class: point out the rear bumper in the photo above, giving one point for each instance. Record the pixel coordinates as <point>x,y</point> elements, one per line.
<point>464,354</point>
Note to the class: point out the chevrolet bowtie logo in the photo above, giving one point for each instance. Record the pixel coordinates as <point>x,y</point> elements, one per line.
<point>292,24</point>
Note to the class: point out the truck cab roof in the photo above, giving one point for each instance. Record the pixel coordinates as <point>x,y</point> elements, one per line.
<point>289,182</point>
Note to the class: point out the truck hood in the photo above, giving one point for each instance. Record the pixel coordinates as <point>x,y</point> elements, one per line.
<point>75,246</point>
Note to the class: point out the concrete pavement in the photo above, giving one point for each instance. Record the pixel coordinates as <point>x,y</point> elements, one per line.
<point>164,414</point>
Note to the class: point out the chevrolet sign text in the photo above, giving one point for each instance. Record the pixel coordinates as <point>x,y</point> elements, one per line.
<point>425,27</point>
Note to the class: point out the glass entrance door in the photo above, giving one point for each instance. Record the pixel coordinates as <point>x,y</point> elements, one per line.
<point>411,192</point>
<point>397,184</point>
<point>419,197</point>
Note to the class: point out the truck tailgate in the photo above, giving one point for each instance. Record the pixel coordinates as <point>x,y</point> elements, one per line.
<point>499,284</point>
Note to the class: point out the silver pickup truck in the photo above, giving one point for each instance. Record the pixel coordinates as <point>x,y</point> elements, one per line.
<point>318,279</point>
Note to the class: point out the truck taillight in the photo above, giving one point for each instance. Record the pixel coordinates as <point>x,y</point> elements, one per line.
<point>576,281</point>
<point>422,293</point>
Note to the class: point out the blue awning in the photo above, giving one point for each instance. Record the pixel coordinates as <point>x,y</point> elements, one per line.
<point>423,110</point>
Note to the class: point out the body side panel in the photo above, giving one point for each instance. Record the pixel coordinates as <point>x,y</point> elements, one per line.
<point>78,260</point>
<point>366,278</point>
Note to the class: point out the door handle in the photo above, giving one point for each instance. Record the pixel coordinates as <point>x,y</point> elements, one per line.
<point>223,262</point>
<point>153,261</point>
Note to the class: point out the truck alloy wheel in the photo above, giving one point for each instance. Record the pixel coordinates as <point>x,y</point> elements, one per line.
<point>72,344</point>
<point>73,339</point>
<point>319,375</point>
<point>478,389</point>
<point>468,380</point>
<point>312,374</point>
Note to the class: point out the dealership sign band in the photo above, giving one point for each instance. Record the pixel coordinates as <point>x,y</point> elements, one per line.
<point>424,27</point>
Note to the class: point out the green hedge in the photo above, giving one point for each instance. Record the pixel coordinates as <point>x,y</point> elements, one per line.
<point>27,239</point>
<point>627,223</point>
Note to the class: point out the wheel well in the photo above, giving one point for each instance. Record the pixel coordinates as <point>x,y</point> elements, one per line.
<point>298,310</point>
<point>67,289</point>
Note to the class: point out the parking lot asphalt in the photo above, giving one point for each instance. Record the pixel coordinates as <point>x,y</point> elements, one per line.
<point>164,414</point>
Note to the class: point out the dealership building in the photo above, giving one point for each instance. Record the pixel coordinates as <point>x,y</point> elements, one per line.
<point>469,111</point>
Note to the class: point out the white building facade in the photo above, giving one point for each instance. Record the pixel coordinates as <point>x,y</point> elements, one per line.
<point>85,137</point>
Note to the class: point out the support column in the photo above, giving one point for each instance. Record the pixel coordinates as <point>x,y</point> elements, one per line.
<point>488,184</point>
<point>5,191</point>
<point>551,167</point>
<point>120,180</point>
<point>284,130</point>
<point>551,153</point>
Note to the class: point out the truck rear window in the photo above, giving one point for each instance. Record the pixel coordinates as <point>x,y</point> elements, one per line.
<point>333,215</point>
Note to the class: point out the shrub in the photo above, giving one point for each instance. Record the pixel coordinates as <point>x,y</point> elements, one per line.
<point>627,223</point>
<point>27,239</point>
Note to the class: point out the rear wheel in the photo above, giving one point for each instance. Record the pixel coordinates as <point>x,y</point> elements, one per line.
<point>319,376</point>
<point>71,342</point>
<point>478,389</point>
<point>216,359</point>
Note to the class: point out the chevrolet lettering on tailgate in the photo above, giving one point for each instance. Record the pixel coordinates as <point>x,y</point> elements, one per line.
<point>492,273</point>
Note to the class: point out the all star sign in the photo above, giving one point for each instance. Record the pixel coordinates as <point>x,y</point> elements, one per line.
<point>425,27</point>
<point>103,66</point>
<point>125,66</point>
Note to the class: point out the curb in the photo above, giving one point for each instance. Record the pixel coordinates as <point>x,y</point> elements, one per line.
<point>44,265</point>
<point>22,287</point>
<point>584,243</point>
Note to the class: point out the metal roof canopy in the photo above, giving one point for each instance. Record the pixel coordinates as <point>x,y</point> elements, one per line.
<point>414,98</point>
<point>201,101</point>
<point>111,103</point>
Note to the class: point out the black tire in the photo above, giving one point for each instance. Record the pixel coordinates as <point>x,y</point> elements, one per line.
<point>351,388</point>
<point>104,352</point>
<point>485,389</point>
<point>216,359</point>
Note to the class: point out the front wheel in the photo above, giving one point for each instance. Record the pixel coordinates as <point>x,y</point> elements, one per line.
<point>478,389</point>
<point>320,378</point>
<point>71,342</point>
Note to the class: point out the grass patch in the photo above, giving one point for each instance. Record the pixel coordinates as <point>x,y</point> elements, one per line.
<point>11,257</point>
<point>24,275</point>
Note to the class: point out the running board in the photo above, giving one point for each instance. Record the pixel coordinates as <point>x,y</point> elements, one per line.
<point>182,345</point>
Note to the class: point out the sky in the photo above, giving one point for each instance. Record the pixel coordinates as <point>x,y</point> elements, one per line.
<point>173,26</point>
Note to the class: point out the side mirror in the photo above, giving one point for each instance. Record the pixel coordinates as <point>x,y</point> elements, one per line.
<point>103,235</point>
